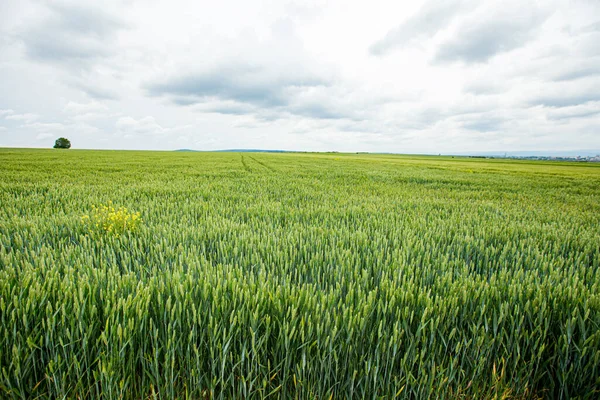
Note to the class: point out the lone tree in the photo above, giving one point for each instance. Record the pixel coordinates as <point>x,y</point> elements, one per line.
<point>62,143</point>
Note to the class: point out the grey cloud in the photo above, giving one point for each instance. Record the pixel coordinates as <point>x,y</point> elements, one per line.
<point>483,88</point>
<point>319,111</point>
<point>242,83</point>
<point>95,92</point>
<point>580,72</point>
<point>431,18</point>
<point>589,45</point>
<point>484,124</point>
<point>268,92</point>
<point>565,100</point>
<point>581,114</point>
<point>483,36</point>
<point>372,127</point>
<point>76,39</point>
<point>271,116</point>
<point>267,115</point>
<point>184,100</point>
<point>426,117</point>
<point>473,116</point>
<point>229,108</point>
<point>43,47</point>
<point>85,20</point>
<point>594,27</point>
<point>71,33</point>
<point>482,42</point>
<point>578,111</point>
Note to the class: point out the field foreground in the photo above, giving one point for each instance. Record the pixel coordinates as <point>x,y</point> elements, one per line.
<point>298,276</point>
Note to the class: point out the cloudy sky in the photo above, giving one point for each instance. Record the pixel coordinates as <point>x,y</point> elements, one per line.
<point>393,76</point>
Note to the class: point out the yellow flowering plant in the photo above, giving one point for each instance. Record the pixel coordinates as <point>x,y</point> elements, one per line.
<point>105,218</point>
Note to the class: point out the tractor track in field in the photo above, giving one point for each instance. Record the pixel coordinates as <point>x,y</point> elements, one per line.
<point>246,166</point>
<point>263,164</point>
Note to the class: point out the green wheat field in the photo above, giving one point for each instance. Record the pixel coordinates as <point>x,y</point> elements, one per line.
<point>164,275</point>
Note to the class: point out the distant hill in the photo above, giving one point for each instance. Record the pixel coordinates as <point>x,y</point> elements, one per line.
<point>254,151</point>
<point>242,151</point>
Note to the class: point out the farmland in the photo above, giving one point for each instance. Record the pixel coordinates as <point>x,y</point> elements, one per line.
<point>256,275</point>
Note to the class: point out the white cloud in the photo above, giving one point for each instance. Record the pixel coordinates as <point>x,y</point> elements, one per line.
<point>76,108</point>
<point>48,126</point>
<point>23,117</point>
<point>6,112</point>
<point>89,111</point>
<point>43,136</point>
<point>146,125</point>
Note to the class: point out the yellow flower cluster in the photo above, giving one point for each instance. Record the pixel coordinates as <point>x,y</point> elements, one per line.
<point>111,220</point>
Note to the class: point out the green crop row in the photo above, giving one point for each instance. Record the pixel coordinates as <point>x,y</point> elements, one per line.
<point>297,276</point>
